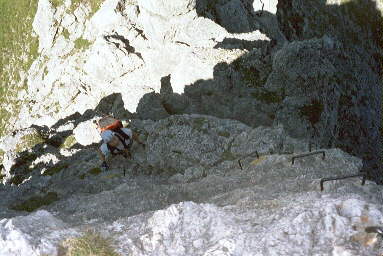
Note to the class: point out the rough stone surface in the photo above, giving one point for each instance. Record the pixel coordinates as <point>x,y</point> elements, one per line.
<point>18,235</point>
<point>181,196</point>
<point>346,66</point>
<point>224,95</point>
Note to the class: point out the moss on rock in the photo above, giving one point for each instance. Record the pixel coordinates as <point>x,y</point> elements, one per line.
<point>268,97</point>
<point>28,141</point>
<point>82,44</point>
<point>18,50</point>
<point>228,156</point>
<point>35,202</point>
<point>90,243</point>
<point>95,171</point>
<point>55,169</point>
<point>69,142</point>
<point>224,134</point>
<point>66,33</point>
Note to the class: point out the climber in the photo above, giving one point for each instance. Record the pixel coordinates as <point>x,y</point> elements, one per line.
<point>117,140</point>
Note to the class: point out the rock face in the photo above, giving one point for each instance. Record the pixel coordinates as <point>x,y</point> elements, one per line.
<point>18,234</point>
<point>181,197</point>
<point>347,65</point>
<point>237,59</point>
<point>227,95</point>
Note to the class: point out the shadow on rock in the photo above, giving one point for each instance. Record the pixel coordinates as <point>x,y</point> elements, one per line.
<point>323,85</point>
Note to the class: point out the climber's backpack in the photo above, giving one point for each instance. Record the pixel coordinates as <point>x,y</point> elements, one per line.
<point>109,123</point>
<point>115,125</point>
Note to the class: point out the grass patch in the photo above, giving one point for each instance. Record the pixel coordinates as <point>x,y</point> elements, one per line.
<point>18,50</point>
<point>69,142</point>
<point>35,202</point>
<point>56,3</point>
<point>267,97</point>
<point>95,171</point>
<point>249,70</point>
<point>112,176</point>
<point>55,169</point>
<point>94,5</point>
<point>228,156</point>
<point>198,123</point>
<point>82,44</point>
<point>1,155</point>
<point>45,73</point>
<point>224,134</point>
<point>91,243</point>
<point>28,141</point>
<point>66,34</point>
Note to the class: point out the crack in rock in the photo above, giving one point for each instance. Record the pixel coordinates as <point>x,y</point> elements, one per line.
<point>122,43</point>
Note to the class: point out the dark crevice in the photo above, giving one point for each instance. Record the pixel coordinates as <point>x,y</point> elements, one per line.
<point>140,32</point>
<point>122,43</point>
<point>179,42</point>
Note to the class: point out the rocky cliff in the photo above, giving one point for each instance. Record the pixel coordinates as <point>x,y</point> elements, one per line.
<point>227,96</point>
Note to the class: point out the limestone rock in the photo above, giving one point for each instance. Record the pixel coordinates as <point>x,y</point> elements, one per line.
<point>18,234</point>
<point>43,24</point>
<point>225,96</point>
<point>168,8</point>
<point>86,133</point>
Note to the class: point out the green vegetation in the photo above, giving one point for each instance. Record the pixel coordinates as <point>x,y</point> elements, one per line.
<point>66,33</point>
<point>82,44</point>
<point>29,141</point>
<point>224,134</point>
<point>90,243</point>
<point>112,176</point>
<point>55,169</point>
<point>250,74</point>
<point>1,155</point>
<point>18,50</point>
<point>227,155</point>
<point>56,3</point>
<point>69,142</point>
<point>93,4</point>
<point>267,97</point>
<point>35,202</point>
<point>45,73</point>
<point>198,123</point>
<point>95,171</point>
